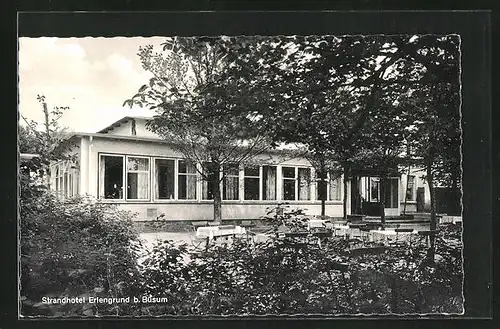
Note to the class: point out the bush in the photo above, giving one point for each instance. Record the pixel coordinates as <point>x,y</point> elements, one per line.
<point>75,248</point>
<point>283,276</point>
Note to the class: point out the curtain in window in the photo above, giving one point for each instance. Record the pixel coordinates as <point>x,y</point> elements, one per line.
<point>335,188</point>
<point>231,188</point>
<point>102,166</point>
<point>304,183</point>
<point>269,183</point>
<point>409,192</point>
<point>164,181</point>
<point>57,178</point>
<point>66,185</point>
<point>137,178</point>
<point>138,185</point>
<point>191,183</point>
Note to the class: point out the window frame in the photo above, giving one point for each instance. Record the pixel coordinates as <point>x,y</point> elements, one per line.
<point>310,179</point>
<point>260,184</point>
<point>295,179</point>
<point>197,197</point>
<point>238,167</point>
<point>296,183</point>
<point>138,171</point>
<point>155,181</point>
<point>276,183</point>
<point>329,187</point>
<point>412,188</point>
<point>100,180</point>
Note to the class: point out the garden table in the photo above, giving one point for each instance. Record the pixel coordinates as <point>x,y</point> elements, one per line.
<point>315,223</point>
<point>386,235</point>
<point>214,232</point>
<point>451,219</point>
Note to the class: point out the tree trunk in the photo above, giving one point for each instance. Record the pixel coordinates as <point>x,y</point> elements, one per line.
<point>46,145</point>
<point>217,201</point>
<point>432,237</point>
<point>213,171</point>
<point>382,200</point>
<point>344,203</point>
<point>323,201</point>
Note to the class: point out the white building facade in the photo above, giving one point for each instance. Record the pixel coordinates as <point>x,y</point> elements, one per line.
<point>127,165</point>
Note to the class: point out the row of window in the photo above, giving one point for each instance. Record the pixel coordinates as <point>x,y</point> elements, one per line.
<point>177,179</point>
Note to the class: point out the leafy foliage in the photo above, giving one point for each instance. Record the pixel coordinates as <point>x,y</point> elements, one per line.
<point>74,248</point>
<point>208,119</point>
<point>281,276</point>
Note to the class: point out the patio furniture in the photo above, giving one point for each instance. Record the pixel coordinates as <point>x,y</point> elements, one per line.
<point>219,232</point>
<point>316,223</point>
<point>391,235</point>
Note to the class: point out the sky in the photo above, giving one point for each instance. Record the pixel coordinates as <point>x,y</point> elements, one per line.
<point>92,76</point>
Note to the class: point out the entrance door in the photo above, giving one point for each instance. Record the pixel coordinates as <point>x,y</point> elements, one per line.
<point>420,199</point>
<point>392,197</point>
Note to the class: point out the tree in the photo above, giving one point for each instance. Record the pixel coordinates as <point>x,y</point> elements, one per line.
<point>435,135</point>
<point>199,108</point>
<point>46,141</point>
<point>320,91</point>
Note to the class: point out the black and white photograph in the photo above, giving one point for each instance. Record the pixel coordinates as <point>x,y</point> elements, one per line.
<point>240,175</point>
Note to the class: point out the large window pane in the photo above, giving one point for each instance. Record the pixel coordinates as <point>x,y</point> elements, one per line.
<point>321,186</point>
<point>268,183</point>
<point>137,178</point>
<point>252,171</point>
<point>66,185</point>
<point>335,187</point>
<point>288,172</point>
<point>251,188</point>
<point>288,189</point>
<point>111,177</point>
<point>304,184</point>
<point>187,180</point>
<point>138,185</point>
<point>410,194</point>
<point>251,183</point>
<point>165,179</point>
<point>187,187</point>
<point>231,182</point>
<point>374,189</point>
<point>137,164</point>
<point>186,167</point>
<point>57,178</point>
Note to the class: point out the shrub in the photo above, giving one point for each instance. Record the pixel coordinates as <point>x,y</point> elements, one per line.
<point>283,276</point>
<point>75,248</point>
